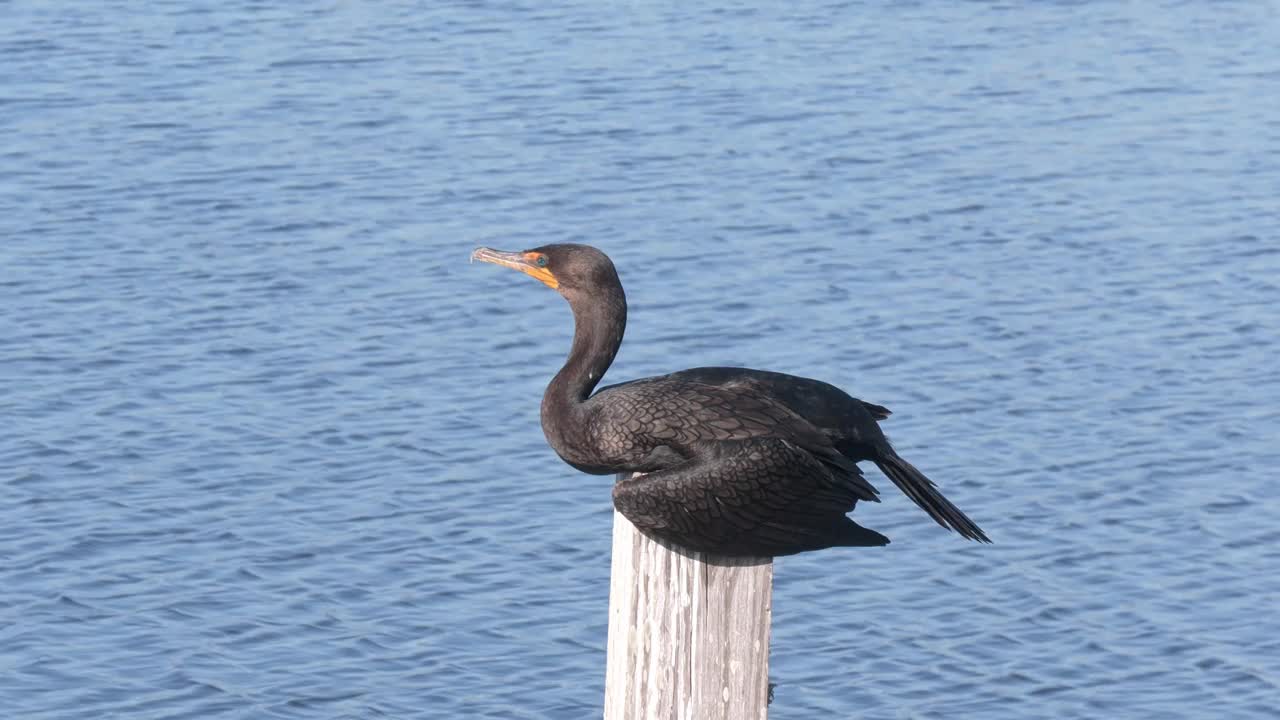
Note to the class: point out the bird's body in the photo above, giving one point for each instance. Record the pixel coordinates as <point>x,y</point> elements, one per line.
<point>733,460</point>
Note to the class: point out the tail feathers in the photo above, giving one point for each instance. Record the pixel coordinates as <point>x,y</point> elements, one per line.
<point>922,492</point>
<point>879,412</point>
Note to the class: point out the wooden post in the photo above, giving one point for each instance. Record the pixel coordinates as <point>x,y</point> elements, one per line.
<point>688,632</point>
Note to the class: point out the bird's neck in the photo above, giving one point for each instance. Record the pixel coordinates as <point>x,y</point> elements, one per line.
<point>599,321</point>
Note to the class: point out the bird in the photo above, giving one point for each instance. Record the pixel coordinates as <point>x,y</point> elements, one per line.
<point>724,460</point>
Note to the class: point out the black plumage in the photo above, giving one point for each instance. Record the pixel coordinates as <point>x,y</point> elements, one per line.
<point>733,460</point>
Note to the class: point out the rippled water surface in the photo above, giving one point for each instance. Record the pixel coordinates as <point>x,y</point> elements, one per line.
<point>273,445</point>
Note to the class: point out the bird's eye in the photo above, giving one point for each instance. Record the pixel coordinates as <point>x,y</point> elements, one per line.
<point>541,261</point>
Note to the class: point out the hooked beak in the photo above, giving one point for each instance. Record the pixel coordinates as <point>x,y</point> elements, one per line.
<point>525,262</point>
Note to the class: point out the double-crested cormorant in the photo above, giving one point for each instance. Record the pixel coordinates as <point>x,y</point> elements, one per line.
<point>736,461</point>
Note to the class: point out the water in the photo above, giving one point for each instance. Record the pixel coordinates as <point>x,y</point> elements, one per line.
<point>273,448</point>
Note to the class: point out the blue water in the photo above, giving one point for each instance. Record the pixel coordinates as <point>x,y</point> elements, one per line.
<point>273,445</point>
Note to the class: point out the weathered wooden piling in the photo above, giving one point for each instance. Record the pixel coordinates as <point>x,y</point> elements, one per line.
<point>688,632</point>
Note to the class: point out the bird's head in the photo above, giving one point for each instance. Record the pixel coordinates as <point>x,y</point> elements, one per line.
<point>567,268</point>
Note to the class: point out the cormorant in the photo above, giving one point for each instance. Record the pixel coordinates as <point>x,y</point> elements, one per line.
<point>735,461</point>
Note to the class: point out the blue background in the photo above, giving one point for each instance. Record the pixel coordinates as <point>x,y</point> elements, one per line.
<point>272,445</point>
